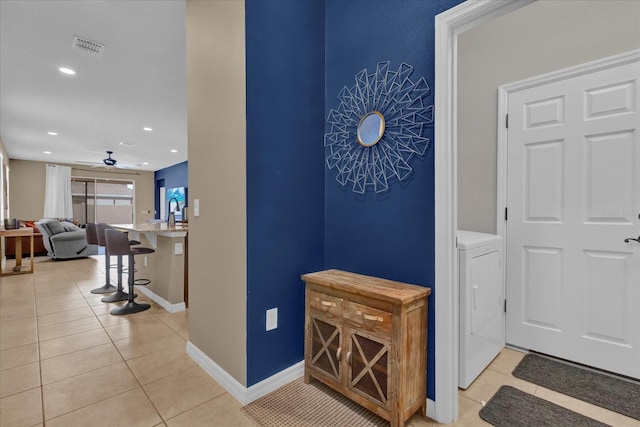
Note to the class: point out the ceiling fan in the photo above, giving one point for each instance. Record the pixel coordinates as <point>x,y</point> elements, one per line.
<point>110,162</point>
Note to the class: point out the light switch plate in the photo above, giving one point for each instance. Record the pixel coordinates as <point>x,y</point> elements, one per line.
<point>178,249</point>
<point>272,319</point>
<point>196,207</point>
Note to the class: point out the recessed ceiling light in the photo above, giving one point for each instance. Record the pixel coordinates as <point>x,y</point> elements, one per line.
<point>174,151</point>
<point>47,152</point>
<point>147,129</point>
<point>66,70</point>
<point>52,133</point>
<point>145,163</point>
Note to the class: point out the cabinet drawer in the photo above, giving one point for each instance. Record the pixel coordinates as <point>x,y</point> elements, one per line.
<point>367,318</point>
<point>325,305</point>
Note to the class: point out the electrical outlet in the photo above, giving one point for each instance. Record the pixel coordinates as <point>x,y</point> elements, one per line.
<point>272,319</point>
<point>145,260</point>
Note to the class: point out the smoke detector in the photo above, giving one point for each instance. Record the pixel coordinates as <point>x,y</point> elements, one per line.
<point>87,46</point>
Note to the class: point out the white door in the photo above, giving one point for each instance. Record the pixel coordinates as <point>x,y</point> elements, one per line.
<point>573,284</point>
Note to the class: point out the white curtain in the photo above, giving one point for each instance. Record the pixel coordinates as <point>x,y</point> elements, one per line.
<point>57,194</point>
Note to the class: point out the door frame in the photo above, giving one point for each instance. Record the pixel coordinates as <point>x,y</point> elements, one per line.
<point>448,25</point>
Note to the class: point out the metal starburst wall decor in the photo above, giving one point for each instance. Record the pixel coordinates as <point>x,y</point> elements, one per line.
<point>404,121</point>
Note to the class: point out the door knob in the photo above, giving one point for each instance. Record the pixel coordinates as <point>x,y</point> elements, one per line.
<point>628,239</point>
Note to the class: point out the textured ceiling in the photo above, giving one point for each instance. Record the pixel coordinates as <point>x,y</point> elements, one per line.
<point>140,81</point>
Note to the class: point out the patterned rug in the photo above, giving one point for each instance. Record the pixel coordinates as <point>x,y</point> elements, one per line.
<point>314,405</point>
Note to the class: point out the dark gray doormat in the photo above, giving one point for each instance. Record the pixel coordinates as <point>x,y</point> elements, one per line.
<point>616,394</point>
<point>511,407</point>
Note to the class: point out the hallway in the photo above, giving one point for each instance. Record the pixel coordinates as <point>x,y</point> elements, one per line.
<point>65,361</point>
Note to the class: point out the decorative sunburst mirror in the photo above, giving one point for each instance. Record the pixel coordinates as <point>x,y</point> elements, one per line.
<point>380,125</point>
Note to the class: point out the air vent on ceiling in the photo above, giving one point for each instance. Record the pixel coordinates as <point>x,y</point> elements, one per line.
<point>87,46</point>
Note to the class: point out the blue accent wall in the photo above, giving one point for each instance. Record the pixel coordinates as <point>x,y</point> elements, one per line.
<point>171,177</point>
<point>390,235</point>
<point>285,174</point>
<point>300,54</point>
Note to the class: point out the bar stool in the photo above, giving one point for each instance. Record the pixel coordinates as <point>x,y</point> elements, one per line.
<point>118,244</point>
<point>119,294</point>
<point>92,239</point>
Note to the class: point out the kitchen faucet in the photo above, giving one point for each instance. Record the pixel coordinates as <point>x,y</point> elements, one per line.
<point>171,220</point>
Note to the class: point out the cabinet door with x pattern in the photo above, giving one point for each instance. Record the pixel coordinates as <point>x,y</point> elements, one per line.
<point>325,347</point>
<point>368,366</point>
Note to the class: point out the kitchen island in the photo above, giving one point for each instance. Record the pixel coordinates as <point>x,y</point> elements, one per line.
<point>167,267</point>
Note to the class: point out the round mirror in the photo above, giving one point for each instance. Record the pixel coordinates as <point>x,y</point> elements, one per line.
<point>370,129</point>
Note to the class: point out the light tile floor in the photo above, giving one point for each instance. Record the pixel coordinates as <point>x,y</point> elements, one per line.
<point>65,361</point>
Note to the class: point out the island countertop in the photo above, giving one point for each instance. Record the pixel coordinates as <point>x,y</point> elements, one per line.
<point>152,227</point>
<point>167,267</point>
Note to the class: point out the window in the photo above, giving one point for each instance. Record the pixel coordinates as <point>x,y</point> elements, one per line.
<point>102,200</point>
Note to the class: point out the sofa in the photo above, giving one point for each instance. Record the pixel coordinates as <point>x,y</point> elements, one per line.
<point>65,240</point>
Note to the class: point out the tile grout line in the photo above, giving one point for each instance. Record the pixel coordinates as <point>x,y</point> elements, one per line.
<point>35,303</point>
<point>41,386</point>
<point>127,364</point>
<point>160,319</point>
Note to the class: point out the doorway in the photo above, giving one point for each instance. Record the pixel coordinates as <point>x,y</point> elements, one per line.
<point>103,200</point>
<point>572,166</point>
<point>449,26</point>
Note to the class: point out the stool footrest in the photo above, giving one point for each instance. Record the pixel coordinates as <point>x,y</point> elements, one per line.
<point>141,282</point>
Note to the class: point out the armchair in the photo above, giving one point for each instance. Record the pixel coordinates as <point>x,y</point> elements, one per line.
<point>65,240</point>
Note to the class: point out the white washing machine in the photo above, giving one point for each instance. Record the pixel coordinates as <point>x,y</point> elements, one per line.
<point>481,308</point>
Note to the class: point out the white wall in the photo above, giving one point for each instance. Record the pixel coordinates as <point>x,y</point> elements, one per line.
<point>542,37</point>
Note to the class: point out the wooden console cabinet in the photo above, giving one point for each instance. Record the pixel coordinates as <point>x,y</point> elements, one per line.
<point>366,337</point>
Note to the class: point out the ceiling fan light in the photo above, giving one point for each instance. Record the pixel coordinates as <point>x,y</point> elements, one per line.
<point>109,161</point>
<point>67,71</point>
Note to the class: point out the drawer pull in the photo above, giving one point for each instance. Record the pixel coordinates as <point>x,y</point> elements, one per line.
<point>328,303</point>
<point>339,353</point>
<point>349,358</point>
<point>369,316</point>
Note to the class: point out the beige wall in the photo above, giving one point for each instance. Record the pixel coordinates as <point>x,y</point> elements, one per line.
<point>26,189</point>
<point>27,186</point>
<point>217,140</point>
<point>542,37</point>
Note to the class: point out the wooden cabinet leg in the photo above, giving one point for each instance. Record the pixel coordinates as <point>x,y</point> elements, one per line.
<point>18,246</point>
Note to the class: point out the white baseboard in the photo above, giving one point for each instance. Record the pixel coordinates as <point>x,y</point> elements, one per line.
<point>275,381</point>
<point>431,409</point>
<point>247,395</point>
<point>240,392</point>
<point>170,307</point>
